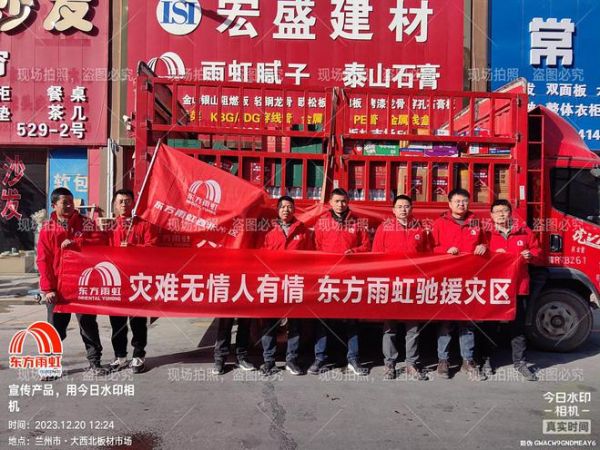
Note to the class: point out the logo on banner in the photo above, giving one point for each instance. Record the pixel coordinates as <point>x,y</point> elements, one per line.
<point>100,283</point>
<point>205,195</point>
<point>178,17</point>
<point>173,63</point>
<point>49,348</point>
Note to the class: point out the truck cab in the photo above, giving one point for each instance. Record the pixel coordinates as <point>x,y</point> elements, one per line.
<point>564,207</point>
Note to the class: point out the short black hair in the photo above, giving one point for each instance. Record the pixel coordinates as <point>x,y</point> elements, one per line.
<point>501,202</point>
<point>127,192</point>
<point>339,191</point>
<point>285,198</point>
<point>402,197</point>
<point>56,194</point>
<point>458,191</point>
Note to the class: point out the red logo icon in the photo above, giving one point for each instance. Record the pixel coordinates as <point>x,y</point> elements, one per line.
<point>49,346</point>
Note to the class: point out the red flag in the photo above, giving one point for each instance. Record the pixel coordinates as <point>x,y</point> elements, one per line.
<point>184,195</point>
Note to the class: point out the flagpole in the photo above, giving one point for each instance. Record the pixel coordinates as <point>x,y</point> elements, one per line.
<point>137,202</point>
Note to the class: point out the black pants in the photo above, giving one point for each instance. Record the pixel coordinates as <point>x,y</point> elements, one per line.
<point>223,342</point>
<point>139,335</point>
<point>88,328</point>
<point>516,330</point>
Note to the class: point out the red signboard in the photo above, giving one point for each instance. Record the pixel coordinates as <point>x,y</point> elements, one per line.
<point>352,43</point>
<point>261,283</point>
<point>53,72</point>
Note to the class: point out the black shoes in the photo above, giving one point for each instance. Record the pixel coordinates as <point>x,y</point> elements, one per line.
<point>293,368</point>
<point>269,368</point>
<point>527,373</point>
<point>245,365</point>
<point>316,367</point>
<point>219,367</point>
<point>355,367</point>
<point>97,369</point>
<point>137,365</point>
<point>242,363</point>
<point>118,364</point>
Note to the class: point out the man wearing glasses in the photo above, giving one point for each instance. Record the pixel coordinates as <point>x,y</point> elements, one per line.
<point>509,236</point>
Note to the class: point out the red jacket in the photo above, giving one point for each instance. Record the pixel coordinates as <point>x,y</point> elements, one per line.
<point>298,238</point>
<point>519,239</point>
<point>335,237</point>
<point>447,233</point>
<point>393,237</point>
<point>142,233</point>
<point>80,229</point>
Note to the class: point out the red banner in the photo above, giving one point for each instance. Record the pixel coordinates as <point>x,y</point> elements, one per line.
<point>184,195</point>
<point>260,283</point>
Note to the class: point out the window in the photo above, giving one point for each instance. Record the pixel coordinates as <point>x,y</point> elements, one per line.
<point>576,192</point>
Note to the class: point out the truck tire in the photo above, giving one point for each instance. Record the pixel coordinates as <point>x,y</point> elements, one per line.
<point>562,321</point>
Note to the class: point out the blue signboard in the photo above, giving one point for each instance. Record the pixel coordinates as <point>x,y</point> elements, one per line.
<point>555,45</point>
<point>68,167</point>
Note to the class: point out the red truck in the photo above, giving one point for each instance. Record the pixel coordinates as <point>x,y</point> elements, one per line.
<point>375,143</point>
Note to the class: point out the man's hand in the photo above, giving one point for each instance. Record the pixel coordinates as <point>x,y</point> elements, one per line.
<point>348,252</point>
<point>526,254</point>
<point>50,297</point>
<point>453,251</point>
<point>66,243</point>
<point>480,250</point>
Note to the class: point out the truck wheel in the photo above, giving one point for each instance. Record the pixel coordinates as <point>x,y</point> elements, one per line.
<point>562,321</point>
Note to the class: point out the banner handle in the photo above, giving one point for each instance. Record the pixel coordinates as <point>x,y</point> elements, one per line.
<point>137,202</point>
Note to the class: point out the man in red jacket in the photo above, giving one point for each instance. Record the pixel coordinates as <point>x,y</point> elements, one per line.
<point>288,233</point>
<point>510,237</point>
<point>458,231</point>
<point>126,232</point>
<point>401,236</point>
<point>338,231</point>
<point>67,229</point>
